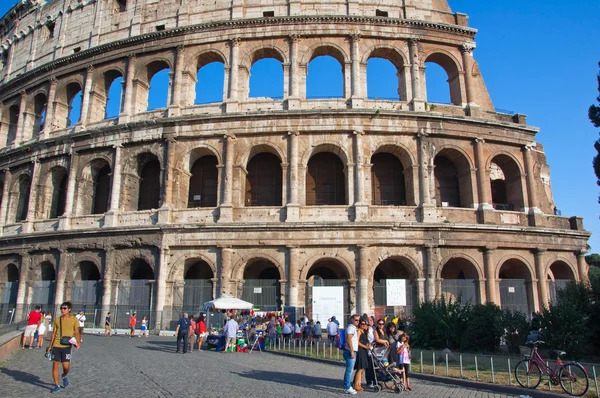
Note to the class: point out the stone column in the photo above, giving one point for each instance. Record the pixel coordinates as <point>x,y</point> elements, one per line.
<point>356,84</point>
<point>70,196</point>
<point>352,304</point>
<point>226,253</point>
<point>282,289</point>
<point>107,282</point>
<point>429,272</point>
<point>226,207</point>
<point>294,275</point>
<point>582,266</point>
<point>421,289</point>
<point>22,288</point>
<point>22,122</point>
<point>363,280</point>
<point>483,181</point>
<point>161,284</point>
<point>87,92</point>
<point>427,207</point>
<point>490,275</point>
<point>418,104</point>
<point>350,183</point>
<point>531,186</point>
<point>214,282</point>
<point>5,195</point>
<point>168,181</point>
<point>49,122</point>
<point>177,82</point>
<point>361,208</point>
<point>541,277</point>
<point>293,206</point>
<point>467,56</point>
<point>33,191</point>
<point>293,100</point>
<point>61,276</point>
<point>110,218</point>
<point>126,109</point>
<point>233,99</point>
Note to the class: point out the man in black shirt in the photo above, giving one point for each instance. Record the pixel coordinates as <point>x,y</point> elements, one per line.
<point>182,332</point>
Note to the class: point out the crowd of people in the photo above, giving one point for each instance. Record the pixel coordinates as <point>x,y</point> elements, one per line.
<point>191,331</point>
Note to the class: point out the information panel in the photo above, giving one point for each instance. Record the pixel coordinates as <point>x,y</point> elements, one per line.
<point>396,292</point>
<point>327,302</point>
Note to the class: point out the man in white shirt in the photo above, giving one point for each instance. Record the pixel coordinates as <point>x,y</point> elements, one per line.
<point>231,328</point>
<point>332,330</point>
<point>350,350</point>
<point>81,318</point>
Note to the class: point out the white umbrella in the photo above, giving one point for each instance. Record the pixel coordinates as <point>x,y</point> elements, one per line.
<point>227,303</point>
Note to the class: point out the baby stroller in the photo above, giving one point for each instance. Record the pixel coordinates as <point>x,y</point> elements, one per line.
<point>387,375</point>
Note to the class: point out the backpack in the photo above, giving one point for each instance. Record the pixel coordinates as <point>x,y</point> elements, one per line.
<point>340,339</point>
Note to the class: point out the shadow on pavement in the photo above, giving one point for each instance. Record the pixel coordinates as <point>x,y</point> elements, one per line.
<point>25,377</point>
<point>316,383</point>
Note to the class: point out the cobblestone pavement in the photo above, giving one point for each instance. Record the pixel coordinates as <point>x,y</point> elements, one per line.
<point>120,366</point>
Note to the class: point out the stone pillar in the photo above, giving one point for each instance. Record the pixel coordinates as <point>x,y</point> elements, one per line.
<point>356,83</point>
<point>282,289</point>
<point>126,109</point>
<point>294,275</point>
<point>542,278</point>
<point>350,183</point>
<point>352,304</point>
<point>49,122</point>
<point>490,275</point>
<point>107,282</point>
<point>363,280</point>
<point>87,92</point>
<point>582,266</point>
<point>61,276</point>
<point>168,180</point>
<point>33,191</point>
<point>418,104</point>
<point>110,218</point>
<point>214,282</point>
<point>22,288</point>
<point>293,205</point>
<point>22,122</point>
<point>467,56</point>
<point>233,99</point>
<point>429,272</point>
<point>531,186</point>
<point>226,207</point>
<point>175,105</point>
<point>361,208</point>
<point>427,207</point>
<point>294,97</point>
<point>483,181</point>
<point>161,284</point>
<point>5,195</point>
<point>70,196</point>
<point>226,253</point>
<point>421,289</point>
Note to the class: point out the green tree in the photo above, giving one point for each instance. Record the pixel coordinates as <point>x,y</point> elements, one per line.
<point>593,259</point>
<point>594,115</point>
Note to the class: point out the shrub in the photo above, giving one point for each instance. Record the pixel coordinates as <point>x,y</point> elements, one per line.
<point>516,328</point>
<point>439,324</point>
<point>484,329</point>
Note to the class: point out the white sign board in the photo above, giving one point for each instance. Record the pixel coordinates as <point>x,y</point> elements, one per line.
<point>258,290</point>
<point>328,301</point>
<point>396,292</point>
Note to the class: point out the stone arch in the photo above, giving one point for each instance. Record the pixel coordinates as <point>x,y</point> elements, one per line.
<point>203,57</point>
<point>9,125</point>
<point>506,180</point>
<point>197,61</point>
<point>452,67</point>
<point>94,186</point>
<point>405,259</point>
<point>332,147</point>
<point>479,273</point>
<point>393,54</point>
<point>66,92</point>
<point>37,106</point>
<point>319,48</point>
<point>531,271</point>
<point>517,289</point>
<point>86,271</point>
<point>202,171</point>
<point>186,160</point>
<point>453,177</point>
<point>77,258</point>
<point>9,272</point>
<point>263,185</point>
<point>398,178</point>
<point>345,267</point>
<point>179,265</point>
<point>262,51</point>
<point>54,193</point>
<point>244,156</point>
<point>102,85</point>
<point>20,191</point>
<point>563,269</point>
<point>139,268</point>
<point>237,271</point>
<point>460,275</point>
<point>143,77</point>
<point>397,149</point>
<point>47,271</point>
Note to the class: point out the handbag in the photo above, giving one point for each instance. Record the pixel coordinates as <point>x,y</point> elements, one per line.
<point>64,340</point>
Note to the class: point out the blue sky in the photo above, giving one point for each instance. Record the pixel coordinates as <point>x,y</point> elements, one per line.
<point>537,57</point>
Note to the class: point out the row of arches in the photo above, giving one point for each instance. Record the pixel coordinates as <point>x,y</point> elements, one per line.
<point>139,85</point>
<point>325,183</point>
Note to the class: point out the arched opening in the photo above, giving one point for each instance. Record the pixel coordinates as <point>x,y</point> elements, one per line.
<point>86,290</point>
<point>141,270</point>
<point>59,192</point>
<point>136,294</point>
<point>559,275</point>
<point>327,273</point>
<point>266,78</point>
<point>40,104</point>
<point>453,186</point>
<point>460,280</point>
<point>10,124</point>
<point>198,287</point>
<point>101,190</point>
<point>261,285</point>
<point>114,94</point>
<point>505,180</point>
<point>398,275</point>
<point>74,98</point>
<point>325,180</point>
<point>149,187</point>
<point>516,290</point>
<point>442,80</point>
<point>9,284</point>
<point>210,82</point>
<point>158,74</point>
<point>387,180</point>
<point>325,75</point>
<point>44,285</point>
<point>381,73</point>
<point>204,182</point>
<point>24,188</point>
<point>264,181</point>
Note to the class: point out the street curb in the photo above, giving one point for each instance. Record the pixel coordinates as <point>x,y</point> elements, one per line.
<point>442,379</point>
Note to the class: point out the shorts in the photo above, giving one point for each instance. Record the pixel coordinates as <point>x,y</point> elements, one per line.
<point>80,330</point>
<point>143,328</point>
<point>42,330</point>
<point>107,328</point>
<point>231,340</point>
<point>30,330</point>
<point>61,354</point>
<point>406,368</point>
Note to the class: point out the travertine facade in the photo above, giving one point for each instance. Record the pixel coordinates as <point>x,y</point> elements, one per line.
<point>214,198</point>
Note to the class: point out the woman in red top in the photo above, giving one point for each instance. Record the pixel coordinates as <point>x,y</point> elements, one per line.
<point>201,328</point>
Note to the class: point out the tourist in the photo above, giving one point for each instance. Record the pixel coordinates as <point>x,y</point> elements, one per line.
<point>33,321</point>
<point>404,359</point>
<point>380,334</point>
<point>393,337</point>
<point>132,323</point>
<point>370,371</point>
<point>362,355</point>
<point>143,327</point>
<point>183,326</point>
<point>231,328</point>
<point>64,329</point>
<point>81,318</point>
<point>287,330</point>
<point>307,331</point>
<point>298,330</point>
<point>271,331</point>
<point>192,333</point>
<point>332,329</point>
<point>350,352</point>
<point>42,328</point>
<point>107,325</point>
<point>317,331</point>
<point>201,330</point>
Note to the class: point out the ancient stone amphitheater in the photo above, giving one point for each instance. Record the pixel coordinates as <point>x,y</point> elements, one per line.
<point>263,198</point>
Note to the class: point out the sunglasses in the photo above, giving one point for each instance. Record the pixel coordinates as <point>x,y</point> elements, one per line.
<point>355,320</point>
<point>381,324</point>
<point>64,308</point>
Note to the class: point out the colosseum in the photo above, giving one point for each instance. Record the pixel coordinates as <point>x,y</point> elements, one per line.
<point>390,201</point>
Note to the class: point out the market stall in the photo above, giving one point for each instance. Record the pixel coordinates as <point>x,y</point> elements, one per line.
<point>227,306</point>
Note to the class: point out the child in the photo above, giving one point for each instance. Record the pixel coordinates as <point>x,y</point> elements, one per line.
<point>298,330</point>
<point>404,358</point>
<point>144,327</point>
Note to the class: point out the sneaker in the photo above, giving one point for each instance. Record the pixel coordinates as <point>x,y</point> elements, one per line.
<point>55,389</point>
<point>65,382</point>
<point>350,391</point>
<point>30,347</point>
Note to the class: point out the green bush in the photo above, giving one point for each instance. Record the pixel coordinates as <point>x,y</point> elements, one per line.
<point>516,328</point>
<point>439,324</point>
<point>484,329</point>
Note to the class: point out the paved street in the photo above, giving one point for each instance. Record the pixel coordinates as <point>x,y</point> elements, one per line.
<point>120,366</point>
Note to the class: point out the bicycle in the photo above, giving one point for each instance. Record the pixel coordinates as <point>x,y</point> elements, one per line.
<point>571,376</point>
